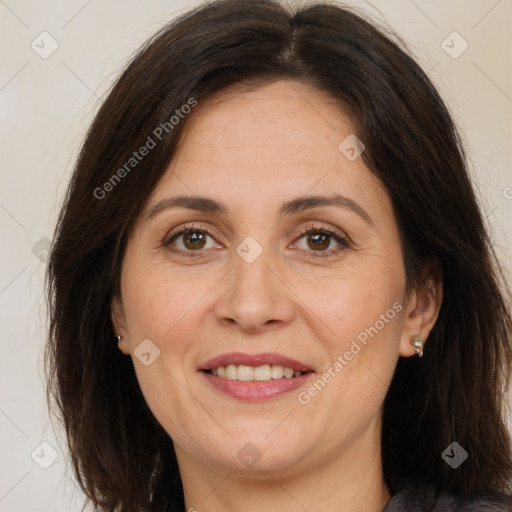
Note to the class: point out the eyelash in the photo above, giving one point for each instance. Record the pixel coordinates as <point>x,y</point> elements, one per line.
<point>311,228</point>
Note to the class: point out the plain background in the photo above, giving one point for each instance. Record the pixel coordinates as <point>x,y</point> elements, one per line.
<point>46,106</point>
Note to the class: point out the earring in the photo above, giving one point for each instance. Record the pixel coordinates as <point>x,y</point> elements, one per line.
<point>418,343</point>
<point>119,339</point>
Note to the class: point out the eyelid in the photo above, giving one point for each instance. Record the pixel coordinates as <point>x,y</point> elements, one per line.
<point>340,237</point>
<point>335,232</point>
<point>189,227</point>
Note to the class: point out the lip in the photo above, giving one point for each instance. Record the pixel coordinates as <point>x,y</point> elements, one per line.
<point>255,360</point>
<point>252,391</point>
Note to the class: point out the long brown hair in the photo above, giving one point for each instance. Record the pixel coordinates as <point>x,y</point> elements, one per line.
<point>122,457</point>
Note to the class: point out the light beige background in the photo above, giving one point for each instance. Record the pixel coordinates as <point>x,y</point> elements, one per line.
<point>46,105</point>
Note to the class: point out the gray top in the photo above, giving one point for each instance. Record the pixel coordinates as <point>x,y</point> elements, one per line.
<point>422,497</point>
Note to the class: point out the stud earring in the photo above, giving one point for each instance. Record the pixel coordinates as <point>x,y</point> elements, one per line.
<point>119,337</point>
<point>418,343</point>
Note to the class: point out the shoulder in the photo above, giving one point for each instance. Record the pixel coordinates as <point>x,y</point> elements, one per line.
<point>427,497</point>
<point>487,503</point>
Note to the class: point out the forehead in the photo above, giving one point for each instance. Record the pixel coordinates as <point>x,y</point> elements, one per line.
<point>290,121</point>
<point>261,144</point>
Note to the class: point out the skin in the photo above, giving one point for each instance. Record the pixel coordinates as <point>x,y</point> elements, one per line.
<point>252,151</point>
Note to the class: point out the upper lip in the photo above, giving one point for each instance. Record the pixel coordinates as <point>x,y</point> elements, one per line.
<point>255,360</point>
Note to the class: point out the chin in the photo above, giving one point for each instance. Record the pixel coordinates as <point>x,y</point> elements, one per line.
<point>258,453</point>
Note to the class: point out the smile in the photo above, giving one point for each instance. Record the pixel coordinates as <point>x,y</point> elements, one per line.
<point>252,377</point>
<point>261,373</point>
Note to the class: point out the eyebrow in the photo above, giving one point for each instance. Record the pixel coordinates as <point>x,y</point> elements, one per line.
<point>294,206</point>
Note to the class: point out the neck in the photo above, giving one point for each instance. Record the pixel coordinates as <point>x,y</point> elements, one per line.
<point>348,480</point>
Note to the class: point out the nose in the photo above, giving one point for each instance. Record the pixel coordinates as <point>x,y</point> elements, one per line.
<point>255,296</point>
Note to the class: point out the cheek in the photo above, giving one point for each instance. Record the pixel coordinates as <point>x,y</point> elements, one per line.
<point>160,307</point>
<point>367,318</point>
<point>156,300</point>
<point>358,320</point>
<point>355,303</point>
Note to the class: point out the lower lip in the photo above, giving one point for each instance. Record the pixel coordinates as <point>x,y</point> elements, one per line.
<point>254,390</point>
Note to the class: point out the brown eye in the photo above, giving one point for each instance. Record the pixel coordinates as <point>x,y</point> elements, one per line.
<point>189,240</point>
<point>318,241</point>
<point>194,240</point>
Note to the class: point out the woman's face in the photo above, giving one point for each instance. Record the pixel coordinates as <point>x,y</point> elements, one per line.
<point>291,259</point>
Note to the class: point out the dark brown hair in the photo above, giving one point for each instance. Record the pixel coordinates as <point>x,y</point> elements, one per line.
<point>122,457</point>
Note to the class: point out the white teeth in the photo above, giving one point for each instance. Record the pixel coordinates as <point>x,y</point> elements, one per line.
<point>245,372</point>
<point>288,372</point>
<point>261,373</point>
<point>231,372</point>
<point>277,371</point>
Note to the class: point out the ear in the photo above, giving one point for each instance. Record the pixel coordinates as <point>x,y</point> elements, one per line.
<point>423,305</point>
<point>119,324</point>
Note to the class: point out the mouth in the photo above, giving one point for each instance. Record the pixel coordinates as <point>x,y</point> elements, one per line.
<point>253,377</point>
<point>263,373</point>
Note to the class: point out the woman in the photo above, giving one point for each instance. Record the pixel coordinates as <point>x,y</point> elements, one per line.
<point>272,215</point>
